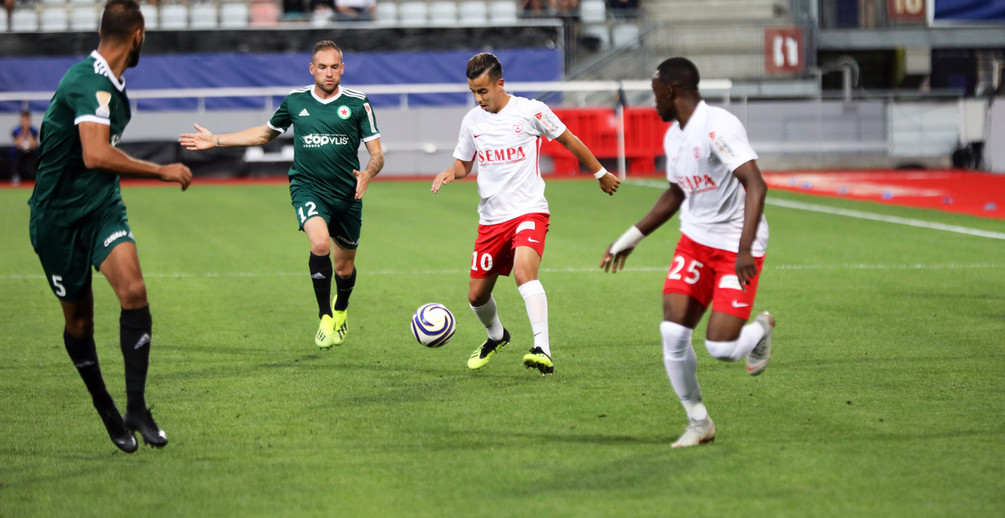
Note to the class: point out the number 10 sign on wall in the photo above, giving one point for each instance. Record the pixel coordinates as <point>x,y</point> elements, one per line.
<point>784,50</point>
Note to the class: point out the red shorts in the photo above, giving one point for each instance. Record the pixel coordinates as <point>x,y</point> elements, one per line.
<point>708,275</point>
<point>496,243</point>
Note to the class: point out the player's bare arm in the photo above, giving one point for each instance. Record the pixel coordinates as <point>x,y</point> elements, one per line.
<point>99,154</point>
<point>205,139</point>
<point>459,169</point>
<point>373,167</point>
<point>753,181</point>
<point>666,206</point>
<point>608,182</point>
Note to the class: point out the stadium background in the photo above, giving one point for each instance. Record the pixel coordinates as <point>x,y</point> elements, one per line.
<point>820,84</point>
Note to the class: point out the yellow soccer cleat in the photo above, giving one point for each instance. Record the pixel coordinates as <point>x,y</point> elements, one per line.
<point>341,326</point>
<point>483,354</point>
<point>537,359</point>
<point>325,338</point>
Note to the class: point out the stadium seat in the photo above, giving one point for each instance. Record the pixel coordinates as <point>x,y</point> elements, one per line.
<point>54,19</point>
<point>174,16</point>
<point>387,12</point>
<point>472,12</point>
<point>150,18</point>
<point>24,20</point>
<point>412,13</point>
<point>234,15</point>
<point>443,12</point>
<point>593,11</point>
<point>263,13</point>
<point>203,16</point>
<point>625,35</point>
<point>502,11</point>
<point>84,18</point>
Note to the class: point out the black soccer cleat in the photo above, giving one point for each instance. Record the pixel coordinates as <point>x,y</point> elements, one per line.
<point>123,439</point>
<point>144,423</point>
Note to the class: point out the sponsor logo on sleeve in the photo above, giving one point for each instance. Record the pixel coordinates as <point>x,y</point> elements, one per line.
<point>724,150</point>
<point>104,99</point>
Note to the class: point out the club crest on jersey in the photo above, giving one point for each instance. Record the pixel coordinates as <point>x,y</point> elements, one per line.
<point>518,128</point>
<point>697,153</point>
<point>344,112</point>
<point>104,99</point>
<point>501,156</point>
<point>723,146</point>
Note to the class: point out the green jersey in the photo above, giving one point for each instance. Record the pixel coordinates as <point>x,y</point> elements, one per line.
<point>65,189</point>
<point>327,135</point>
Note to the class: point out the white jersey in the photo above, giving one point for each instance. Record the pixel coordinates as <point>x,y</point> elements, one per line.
<point>506,146</point>
<point>701,159</point>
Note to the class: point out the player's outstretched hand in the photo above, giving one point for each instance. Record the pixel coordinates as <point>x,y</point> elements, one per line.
<point>442,179</point>
<point>176,173</point>
<point>204,139</point>
<point>609,183</point>
<point>614,262</point>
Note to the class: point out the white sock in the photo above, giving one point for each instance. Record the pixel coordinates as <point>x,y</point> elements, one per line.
<point>739,348</point>
<point>537,310</point>
<point>489,318</point>
<point>682,368</point>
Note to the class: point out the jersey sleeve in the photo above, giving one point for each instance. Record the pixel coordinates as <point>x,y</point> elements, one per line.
<point>281,120</point>
<point>545,121</point>
<point>368,123</point>
<point>465,149</point>
<point>729,142</point>
<point>90,101</point>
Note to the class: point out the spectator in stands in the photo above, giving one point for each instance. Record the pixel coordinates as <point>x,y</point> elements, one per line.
<point>294,9</point>
<point>25,138</point>
<point>322,11</point>
<point>355,10</point>
<point>568,12</point>
<point>9,6</point>
<point>533,9</point>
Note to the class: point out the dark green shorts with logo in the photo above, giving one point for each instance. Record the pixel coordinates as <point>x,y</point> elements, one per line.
<point>67,253</point>
<point>344,217</point>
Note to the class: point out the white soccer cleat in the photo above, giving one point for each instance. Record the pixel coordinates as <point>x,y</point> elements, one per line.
<point>697,432</point>
<point>758,358</point>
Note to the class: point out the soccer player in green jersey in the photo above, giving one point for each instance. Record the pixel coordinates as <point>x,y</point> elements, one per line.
<point>326,185</point>
<point>78,218</point>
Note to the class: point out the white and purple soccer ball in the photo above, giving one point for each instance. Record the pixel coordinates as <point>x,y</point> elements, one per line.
<point>433,325</point>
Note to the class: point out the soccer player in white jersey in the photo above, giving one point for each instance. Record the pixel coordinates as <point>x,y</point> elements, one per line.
<point>503,134</point>
<point>719,190</point>
<point>326,183</point>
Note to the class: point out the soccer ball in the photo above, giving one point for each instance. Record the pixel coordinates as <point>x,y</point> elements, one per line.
<point>433,325</point>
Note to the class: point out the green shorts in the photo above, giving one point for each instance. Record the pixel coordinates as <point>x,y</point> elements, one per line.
<point>67,253</point>
<point>343,217</point>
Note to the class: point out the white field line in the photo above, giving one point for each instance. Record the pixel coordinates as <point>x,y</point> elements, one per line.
<point>780,267</point>
<point>812,207</point>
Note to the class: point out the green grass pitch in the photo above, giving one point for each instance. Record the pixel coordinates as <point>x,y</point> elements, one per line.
<point>885,396</point>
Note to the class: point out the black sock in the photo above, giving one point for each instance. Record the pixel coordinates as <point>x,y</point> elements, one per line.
<point>135,328</point>
<point>85,358</point>
<point>344,285</point>
<point>321,276</point>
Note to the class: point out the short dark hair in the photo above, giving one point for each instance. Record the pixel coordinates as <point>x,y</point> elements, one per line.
<point>482,63</point>
<point>325,45</point>
<point>120,19</point>
<point>679,72</point>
